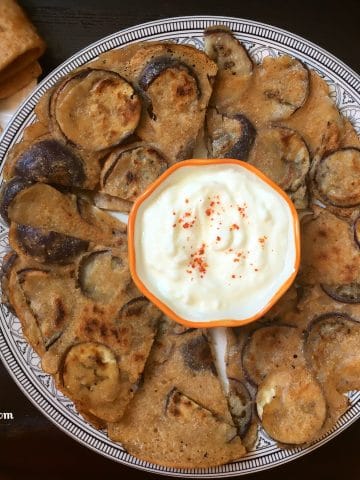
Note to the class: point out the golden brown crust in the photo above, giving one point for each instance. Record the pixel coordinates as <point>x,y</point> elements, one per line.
<point>329,252</point>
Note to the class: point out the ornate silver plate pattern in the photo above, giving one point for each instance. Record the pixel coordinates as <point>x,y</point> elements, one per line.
<point>19,358</point>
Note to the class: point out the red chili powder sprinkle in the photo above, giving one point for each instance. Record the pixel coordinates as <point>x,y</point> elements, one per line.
<point>242,210</point>
<point>188,224</point>
<point>208,212</point>
<point>218,239</point>
<point>233,276</point>
<point>174,213</point>
<point>198,262</point>
<point>262,240</point>
<point>174,225</point>
<point>186,200</point>
<point>234,226</point>
<point>187,214</point>
<point>256,269</point>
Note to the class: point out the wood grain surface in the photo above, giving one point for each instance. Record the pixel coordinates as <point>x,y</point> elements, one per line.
<point>31,447</point>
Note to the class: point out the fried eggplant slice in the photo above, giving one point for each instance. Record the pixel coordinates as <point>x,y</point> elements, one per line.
<point>291,406</point>
<point>337,178</point>
<point>158,66</point>
<point>49,161</point>
<point>44,207</point>
<point>128,171</point>
<point>97,109</point>
<point>272,92</point>
<point>330,255</point>
<point>269,348</point>
<point>181,397</point>
<point>176,87</point>
<point>228,53</point>
<point>91,374</point>
<point>332,350</point>
<point>347,293</point>
<point>174,101</point>
<point>318,121</point>
<point>9,190</point>
<point>281,85</point>
<point>282,155</point>
<point>229,136</point>
<point>101,275</point>
<point>45,246</point>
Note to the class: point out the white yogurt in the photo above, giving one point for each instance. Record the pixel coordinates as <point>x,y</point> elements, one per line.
<point>214,242</point>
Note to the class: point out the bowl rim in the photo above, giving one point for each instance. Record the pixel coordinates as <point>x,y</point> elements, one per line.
<point>161,304</point>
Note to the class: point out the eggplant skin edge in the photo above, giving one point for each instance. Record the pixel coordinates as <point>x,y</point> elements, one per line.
<point>158,65</point>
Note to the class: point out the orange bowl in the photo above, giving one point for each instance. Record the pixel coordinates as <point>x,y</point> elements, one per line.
<point>159,303</point>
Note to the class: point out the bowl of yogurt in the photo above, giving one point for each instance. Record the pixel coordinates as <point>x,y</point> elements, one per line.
<point>213,243</point>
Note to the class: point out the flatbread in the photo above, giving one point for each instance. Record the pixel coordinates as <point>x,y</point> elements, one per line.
<point>20,44</point>
<point>179,416</point>
<point>12,85</point>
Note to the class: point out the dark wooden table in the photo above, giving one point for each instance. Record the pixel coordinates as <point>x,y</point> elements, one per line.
<point>31,447</point>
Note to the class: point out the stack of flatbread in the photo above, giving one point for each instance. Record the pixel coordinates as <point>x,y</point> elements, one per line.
<point>20,48</point>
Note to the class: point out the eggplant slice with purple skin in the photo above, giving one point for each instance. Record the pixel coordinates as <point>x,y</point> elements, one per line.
<point>176,84</point>
<point>158,65</point>
<point>229,136</point>
<point>337,178</point>
<point>45,246</point>
<point>282,155</point>
<point>128,171</point>
<point>270,347</point>
<point>96,109</point>
<point>347,293</point>
<point>9,190</point>
<point>332,350</point>
<point>49,161</point>
<point>102,276</point>
<point>227,51</point>
<point>270,91</point>
<point>291,406</point>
